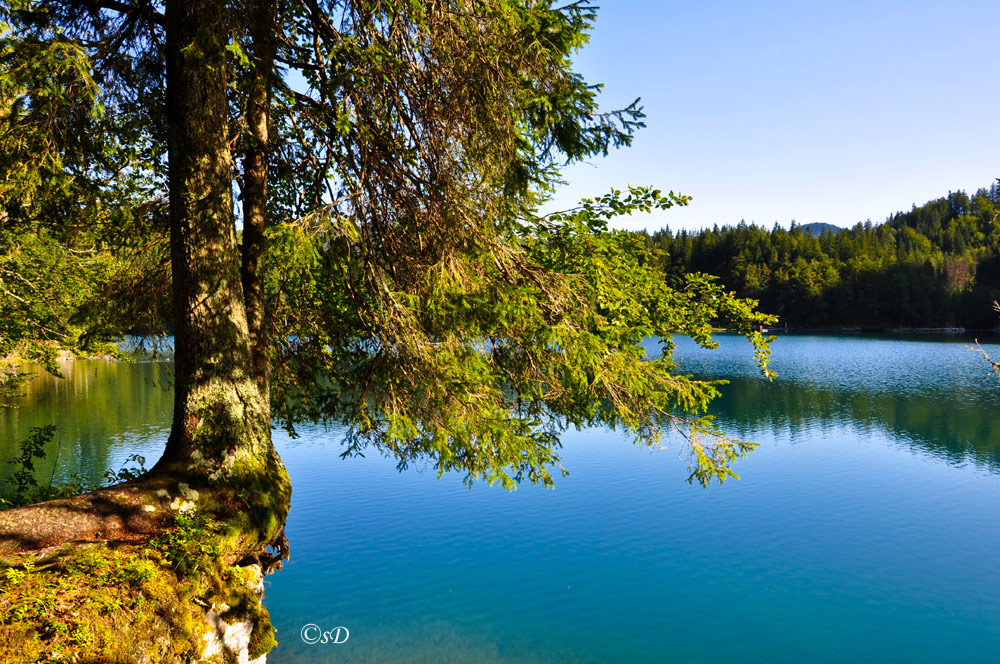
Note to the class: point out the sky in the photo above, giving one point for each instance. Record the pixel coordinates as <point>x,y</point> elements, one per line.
<point>767,112</point>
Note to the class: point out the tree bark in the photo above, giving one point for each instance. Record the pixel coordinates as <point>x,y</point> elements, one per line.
<point>221,429</point>
<point>255,174</point>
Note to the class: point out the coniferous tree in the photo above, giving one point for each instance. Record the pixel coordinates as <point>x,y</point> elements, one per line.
<point>392,273</point>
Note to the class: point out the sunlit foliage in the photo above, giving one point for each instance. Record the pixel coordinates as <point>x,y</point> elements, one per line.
<point>411,288</point>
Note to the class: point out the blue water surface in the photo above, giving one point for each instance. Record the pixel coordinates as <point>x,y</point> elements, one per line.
<point>865,527</point>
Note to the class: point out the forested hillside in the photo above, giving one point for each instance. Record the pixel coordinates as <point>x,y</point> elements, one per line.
<point>936,265</point>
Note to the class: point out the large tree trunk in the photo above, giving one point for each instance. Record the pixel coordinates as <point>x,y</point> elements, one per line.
<point>221,429</point>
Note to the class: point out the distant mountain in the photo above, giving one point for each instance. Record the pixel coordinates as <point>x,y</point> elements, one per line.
<point>817,228</point>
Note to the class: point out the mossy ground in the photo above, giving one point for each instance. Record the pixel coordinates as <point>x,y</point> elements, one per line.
<point>147,602</point>
<point>143,571</point>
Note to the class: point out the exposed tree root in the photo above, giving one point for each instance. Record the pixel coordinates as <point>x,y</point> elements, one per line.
<point>124,513</point>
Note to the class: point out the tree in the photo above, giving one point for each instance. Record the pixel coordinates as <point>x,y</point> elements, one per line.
<point>393,273</point>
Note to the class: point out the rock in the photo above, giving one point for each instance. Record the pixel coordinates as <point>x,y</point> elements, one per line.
<point>234,637</point>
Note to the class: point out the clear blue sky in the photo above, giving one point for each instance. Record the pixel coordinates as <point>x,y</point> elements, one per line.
<point>813,111</point>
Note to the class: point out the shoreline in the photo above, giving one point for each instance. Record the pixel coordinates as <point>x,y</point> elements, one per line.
<point>881,331</point>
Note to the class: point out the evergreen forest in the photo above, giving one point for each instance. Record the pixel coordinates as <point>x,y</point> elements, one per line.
<point>937,265</point>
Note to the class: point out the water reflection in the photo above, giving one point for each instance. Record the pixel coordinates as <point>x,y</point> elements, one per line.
<point>934,395</point>
<point>103,411</point>
<point>950,428</point>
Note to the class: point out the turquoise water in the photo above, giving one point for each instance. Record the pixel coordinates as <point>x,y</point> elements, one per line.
<point>865,527</point>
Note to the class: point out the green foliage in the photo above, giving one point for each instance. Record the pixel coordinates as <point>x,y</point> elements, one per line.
<point>482,359</point>
<point>44,282</point>
<point>11,381</point>
<point>75,174</point>
<point>26,488</point>
<point>126,472</point>
<point>400,119</point>
<point>191,545</point>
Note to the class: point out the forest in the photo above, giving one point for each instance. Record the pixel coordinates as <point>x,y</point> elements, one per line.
<point>937,265</point>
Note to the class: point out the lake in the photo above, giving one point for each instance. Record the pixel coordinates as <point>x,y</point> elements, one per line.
<point>866,526</point>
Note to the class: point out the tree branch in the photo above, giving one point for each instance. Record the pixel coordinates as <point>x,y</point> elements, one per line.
<point>145,11</point>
